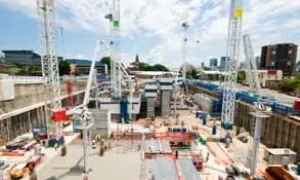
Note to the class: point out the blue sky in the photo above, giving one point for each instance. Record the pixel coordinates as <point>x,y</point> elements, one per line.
<point>151,28</point>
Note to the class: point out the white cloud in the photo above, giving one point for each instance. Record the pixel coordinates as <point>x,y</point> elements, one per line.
<point>267,21</point>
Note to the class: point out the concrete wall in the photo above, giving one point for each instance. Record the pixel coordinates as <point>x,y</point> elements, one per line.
<point>27,110</point>
<point>278,131</point>
<point>31,94</point>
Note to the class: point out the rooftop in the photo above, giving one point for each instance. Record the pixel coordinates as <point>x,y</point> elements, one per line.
<point>20,52</point>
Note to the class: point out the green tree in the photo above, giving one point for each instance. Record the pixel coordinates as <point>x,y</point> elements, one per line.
<point>106,60</point>
<point>206,68</point>
<point>241,76</point>
<point>159,67</point>
<point>194,74</point>
<point>64,68</point>
<point>289,85</point>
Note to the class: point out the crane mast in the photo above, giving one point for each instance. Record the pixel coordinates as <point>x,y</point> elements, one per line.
<point>116,47</point>
<point>49,60</point>
<point>185,26</point>
<point>233,47</point>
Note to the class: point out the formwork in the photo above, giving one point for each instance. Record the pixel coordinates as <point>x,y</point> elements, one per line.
<point>102,122</point>
<point>165,168</point>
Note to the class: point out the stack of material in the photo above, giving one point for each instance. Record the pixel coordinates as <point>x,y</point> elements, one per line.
<point>165,102</point>
<point>150,107</point>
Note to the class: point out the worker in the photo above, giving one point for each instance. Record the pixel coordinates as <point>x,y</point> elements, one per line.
<point>98,137</point>
<point>55,146</point>
<point>32,173</point>
<point>176,154</point>
<point>63,150</point>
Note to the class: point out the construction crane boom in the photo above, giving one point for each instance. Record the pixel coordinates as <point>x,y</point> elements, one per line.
<point>233,47</point>
<point>254,84</point>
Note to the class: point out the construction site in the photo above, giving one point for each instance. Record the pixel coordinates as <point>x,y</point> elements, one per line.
<point>145,125</point>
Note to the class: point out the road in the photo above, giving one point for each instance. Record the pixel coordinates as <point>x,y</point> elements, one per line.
<point>114,165</point>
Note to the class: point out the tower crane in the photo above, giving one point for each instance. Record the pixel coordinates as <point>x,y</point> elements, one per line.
<point>114,25</point>
<point>259,106</point>
<point>233,48</point>
<point>45,10</point>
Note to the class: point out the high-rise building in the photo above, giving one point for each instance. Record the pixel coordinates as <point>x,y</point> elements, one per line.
<point>280,57</point>
<point>202,65</point>
<point>257,59</point>
<point>224,59</point>
<point>213,63</point>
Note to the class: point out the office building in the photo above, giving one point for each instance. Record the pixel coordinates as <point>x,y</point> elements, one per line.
<point>23,57</point>
<point>82,67</point>
<point>213,63</point>
<point>279,57</point>
<point>224,59</point>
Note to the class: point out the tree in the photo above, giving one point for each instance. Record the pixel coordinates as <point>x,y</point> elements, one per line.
<point>64,68</point>
<point>206,68</point>
<point>106,60</point>
<point>194,74</point>
<point>159,67</point>
<point>241,76</point>
<point>289,85</point>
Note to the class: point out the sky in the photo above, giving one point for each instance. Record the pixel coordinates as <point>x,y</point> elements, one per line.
<point>151,28</point>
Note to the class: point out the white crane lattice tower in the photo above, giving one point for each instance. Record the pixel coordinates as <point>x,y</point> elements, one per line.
<point>185,26</point>
<point>233,48</point>
<point>49,60</point>
<point>116,47</point>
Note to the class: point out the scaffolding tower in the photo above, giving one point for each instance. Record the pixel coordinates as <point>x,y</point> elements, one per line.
<point>233,48</point>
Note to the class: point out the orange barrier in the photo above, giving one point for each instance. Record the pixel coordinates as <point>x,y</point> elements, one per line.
<point>12,153</point>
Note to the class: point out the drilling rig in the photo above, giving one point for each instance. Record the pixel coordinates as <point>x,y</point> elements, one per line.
<point>259,107</point>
